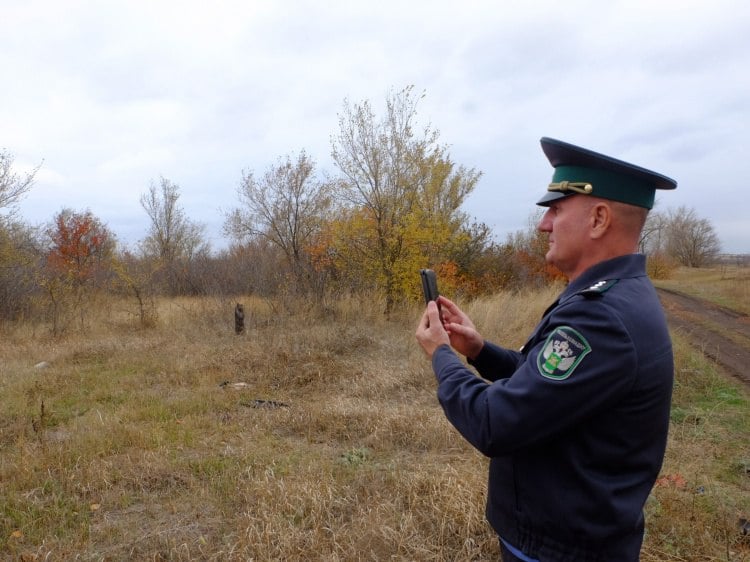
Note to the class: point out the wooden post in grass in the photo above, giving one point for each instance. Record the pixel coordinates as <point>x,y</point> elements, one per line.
<point>239,319</point>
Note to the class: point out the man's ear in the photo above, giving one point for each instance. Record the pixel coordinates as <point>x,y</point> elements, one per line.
<point>601,219</point>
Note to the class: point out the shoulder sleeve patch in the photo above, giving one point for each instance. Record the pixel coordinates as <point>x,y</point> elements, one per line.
<point>563,351</point>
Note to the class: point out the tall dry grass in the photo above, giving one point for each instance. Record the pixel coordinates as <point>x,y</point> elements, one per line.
<point>127,446</point>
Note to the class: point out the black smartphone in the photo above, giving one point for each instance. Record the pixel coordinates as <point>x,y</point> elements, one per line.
<point>429,285</point>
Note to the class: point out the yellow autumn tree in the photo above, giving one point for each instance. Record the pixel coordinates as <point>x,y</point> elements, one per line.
<point>402,194</point>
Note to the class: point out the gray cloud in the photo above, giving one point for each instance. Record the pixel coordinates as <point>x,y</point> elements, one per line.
<point>113,95</point>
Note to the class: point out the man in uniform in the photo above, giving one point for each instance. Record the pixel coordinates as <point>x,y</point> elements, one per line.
<point>575,423</point>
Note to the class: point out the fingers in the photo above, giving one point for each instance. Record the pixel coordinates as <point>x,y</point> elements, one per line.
<point>453,314</point>
<point>433,314</point>
<point>449,309</point>
<point>429,317</point>
<point>445,302</point>
<point>465,339</point>
<point>424,321</point>
<point>459,329</point>
<point>430,333</point>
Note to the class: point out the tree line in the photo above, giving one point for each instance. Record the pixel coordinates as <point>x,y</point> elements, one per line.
<point>394,206</point>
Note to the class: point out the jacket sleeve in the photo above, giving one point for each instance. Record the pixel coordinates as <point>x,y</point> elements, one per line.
<point>528,406</point>
<point>495,362</point>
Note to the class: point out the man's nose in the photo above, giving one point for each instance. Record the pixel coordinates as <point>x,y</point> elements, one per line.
<point>545,224</point>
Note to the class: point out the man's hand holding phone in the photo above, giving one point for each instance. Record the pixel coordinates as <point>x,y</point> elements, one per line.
<point>462,333</point>
<point>450,321</point>
<point>430,333</point>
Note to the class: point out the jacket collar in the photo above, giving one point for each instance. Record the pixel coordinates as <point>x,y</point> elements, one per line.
<point>621,267</point>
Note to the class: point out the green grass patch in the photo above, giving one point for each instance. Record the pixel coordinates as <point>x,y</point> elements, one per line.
<point>704,490</point>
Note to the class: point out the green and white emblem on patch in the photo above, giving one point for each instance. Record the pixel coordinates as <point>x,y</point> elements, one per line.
<point>562,352</point>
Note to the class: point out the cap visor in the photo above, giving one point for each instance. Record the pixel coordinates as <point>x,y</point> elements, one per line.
<point>551,196</point>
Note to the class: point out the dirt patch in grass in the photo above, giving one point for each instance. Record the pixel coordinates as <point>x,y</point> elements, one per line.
<point>721,333</point>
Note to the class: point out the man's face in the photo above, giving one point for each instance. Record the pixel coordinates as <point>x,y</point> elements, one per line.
<point>567,221</point>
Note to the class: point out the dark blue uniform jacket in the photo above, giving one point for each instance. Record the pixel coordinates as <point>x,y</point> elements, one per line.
<point>576,422</point>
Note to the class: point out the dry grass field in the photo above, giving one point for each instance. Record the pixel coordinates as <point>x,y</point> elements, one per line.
<point>125,444</point>
<point>724,285</point>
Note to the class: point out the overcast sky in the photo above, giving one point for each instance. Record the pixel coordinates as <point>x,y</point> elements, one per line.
<point>112,95</point>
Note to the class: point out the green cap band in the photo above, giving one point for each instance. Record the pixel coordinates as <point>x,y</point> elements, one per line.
<point>608,185</point>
